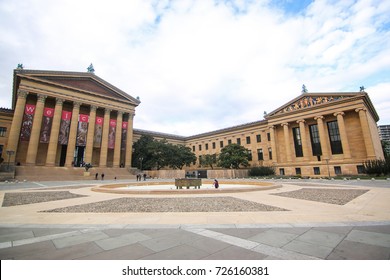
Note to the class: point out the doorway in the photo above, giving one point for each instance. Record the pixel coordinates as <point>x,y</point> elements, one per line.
<point>63,155</point>
<point>79,156</point>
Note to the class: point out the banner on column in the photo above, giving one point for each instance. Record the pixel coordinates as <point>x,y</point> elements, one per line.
<point>46,124</point>
<point>28,116</point>
<point>111,134</point>
<point>82,130</point>
<point>97,137</point>
<point>64,127</point>
<point>124,135</point>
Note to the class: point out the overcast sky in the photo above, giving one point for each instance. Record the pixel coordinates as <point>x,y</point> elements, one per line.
<point>198,66</point>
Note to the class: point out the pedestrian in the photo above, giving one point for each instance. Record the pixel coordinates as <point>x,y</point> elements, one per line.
<point>102,176</point>
<point>96,176</point>
<point>115,178</point>
<point>216,184</point>
<point>144,176</point>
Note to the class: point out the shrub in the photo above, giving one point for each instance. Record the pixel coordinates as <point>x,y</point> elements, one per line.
<point>262,171</point>
<point>377,167</point>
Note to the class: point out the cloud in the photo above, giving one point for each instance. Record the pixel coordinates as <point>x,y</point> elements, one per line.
<point>203,65</point>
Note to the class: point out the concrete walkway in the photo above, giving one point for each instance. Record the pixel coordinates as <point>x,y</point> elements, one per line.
<point>360,229</point>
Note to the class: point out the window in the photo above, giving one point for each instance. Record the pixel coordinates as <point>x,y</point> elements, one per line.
<point>337,170</point>
<point>297,142</point>
<point>3,131</point>
<point>239,141</point>
<point>269,136</point>
<point>260,155</point>
<point>248,139</point>
<point>298,171</point>
<point>207,146</point>
<point>270,153</point>
<point>193,148</point>
<point>214,145</point>
<point>221,144</point>
<point>316,170</point>
<point>200,160</point>
<point>360,169</point>
<point>258,138</point>
<point>229,141</point>
<point>1,151</point>
<point>315,140</point>
<point>200,147</point>
<point>335,139</point>
<point>281,171</point>
<point>250,155</point>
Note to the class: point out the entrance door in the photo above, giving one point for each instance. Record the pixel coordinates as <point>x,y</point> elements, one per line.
<point>63,155</point>
<point>79,156</point>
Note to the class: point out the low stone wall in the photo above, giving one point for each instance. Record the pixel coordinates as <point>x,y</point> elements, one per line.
<point>214,173</point>
<point>165,174</point>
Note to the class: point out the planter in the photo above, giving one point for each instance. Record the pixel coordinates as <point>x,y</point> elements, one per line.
<point>87,173</point>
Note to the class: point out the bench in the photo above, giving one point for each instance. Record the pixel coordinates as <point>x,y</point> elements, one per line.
<point>188,183</point>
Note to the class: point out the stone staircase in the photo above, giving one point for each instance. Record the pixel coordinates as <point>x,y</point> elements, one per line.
<point>43,173</point>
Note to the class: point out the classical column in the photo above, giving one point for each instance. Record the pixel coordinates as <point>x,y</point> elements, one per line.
<point>91,132</point>
<point>104,146</point>
<point>343,134</point>
<point>14,133</point>
<point>32,149</point>
<point>118,137</point>
<point>366,133</point>
<point>324,143</point>
<point>129,140</point>
<point>72,135</point>
<point>55,130</point>
<point>273,143</point>
<point>305,144</point>
<point>287,141</point>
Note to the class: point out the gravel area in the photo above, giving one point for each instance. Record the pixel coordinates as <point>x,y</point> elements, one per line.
<point>332,196</point>
<point>21,198</point>
<point>185,204</point>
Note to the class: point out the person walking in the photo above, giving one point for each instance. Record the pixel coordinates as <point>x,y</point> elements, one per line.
<point>102,176</point>
<point>96,176</point>
<point>216,184</point>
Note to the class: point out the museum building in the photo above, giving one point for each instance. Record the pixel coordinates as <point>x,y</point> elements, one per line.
<point>61,118</point>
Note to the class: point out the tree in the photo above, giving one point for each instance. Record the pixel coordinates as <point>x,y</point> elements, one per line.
<point>179,156</point>
<point>233,156</point>
<point>209,160</point>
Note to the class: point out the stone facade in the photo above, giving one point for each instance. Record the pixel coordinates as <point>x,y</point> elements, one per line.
<point>315,134</point>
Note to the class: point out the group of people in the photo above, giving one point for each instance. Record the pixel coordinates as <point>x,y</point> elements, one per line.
<point>102,176</point>
<point>139,177</point>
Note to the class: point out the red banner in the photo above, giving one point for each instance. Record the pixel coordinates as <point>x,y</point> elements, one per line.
<point>64,127</point>
<point>25,132</point>
<point>46,124</point>
<point>97,138</point>
<point>124,135</point>
<point>82,130</point>
<point>111,134</point>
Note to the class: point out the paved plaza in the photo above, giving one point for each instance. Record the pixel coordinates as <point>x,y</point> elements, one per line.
<point>295,220</point>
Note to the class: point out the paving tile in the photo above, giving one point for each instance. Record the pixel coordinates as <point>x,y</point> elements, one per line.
<point>293,230</point>
<point>17,235</point>
<point>113,232</point>
<point>273,238</point>
<point>209,245</point>
<point>181,252</point>
<point>122,240</point>
<point>130,252</point>
<point>159,232</point>
<point>323,238</point>
<point>350,250</point>
<point>32,250</point>
<point>380,229</point>
<point>372,238</point>
<point>50,231</point>
<point>79,239</point>
<point>239,232</point>
<point>310,249</point>
<point>161,243</point>
<point>235,253</point>
<point>337,229</point>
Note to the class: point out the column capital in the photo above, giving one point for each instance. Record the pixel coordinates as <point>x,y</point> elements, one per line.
<point>271,127</point>
<point>319,118</point>
<point>284,124</point>
<point>131,115</point>
<point>360,109</point>
<point>60,101</point>
<point>42,98</point>
<point>107,110</point>
<point>93,108</point>
<point>76,105</point>
<point>22,93</point>
<point>119,113</point>
<point>301,121</point>
<point>339,113</point>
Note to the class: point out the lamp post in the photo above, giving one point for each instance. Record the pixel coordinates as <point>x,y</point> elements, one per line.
<point>9,153</point>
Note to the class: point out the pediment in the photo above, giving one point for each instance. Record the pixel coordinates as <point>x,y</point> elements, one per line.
<point>308,100</point>
<point>85,82</point>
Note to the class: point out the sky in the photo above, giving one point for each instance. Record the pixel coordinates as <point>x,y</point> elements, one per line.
<point>200,66</point>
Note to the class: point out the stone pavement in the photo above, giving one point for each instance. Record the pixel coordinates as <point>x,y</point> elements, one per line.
<point>310,230</point>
